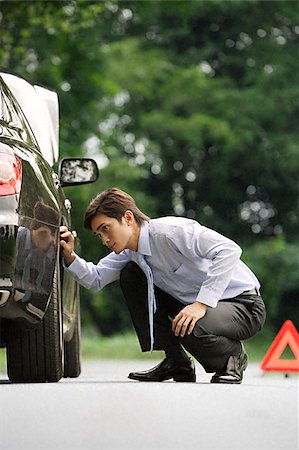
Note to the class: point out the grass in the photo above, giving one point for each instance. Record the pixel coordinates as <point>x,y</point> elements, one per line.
<point>120,346</point>
<point>2,360</point>
<point>126,346</point>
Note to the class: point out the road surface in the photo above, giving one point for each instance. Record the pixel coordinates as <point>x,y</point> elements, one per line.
<point>102,409</point>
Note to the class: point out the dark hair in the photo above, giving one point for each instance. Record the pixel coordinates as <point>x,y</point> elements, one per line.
<point>113,202</point>
<point>44,215</point>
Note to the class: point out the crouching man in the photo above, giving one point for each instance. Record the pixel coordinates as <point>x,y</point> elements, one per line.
<point>185,286</point>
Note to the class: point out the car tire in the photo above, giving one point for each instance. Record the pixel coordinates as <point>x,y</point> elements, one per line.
<point>35,355</point>
<point>72,360</point>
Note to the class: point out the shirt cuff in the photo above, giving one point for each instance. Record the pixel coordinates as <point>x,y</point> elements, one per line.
<point>208,297</point>
<point>74,266</point>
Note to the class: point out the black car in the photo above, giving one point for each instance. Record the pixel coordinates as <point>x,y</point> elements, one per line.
<point>39,300</point>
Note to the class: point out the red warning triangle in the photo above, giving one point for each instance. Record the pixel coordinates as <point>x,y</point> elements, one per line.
<point>287,335</point>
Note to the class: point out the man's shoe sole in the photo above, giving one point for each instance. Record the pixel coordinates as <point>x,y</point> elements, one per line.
<point>220,380</point>
<point>223,381</point>
<point>185,380</point>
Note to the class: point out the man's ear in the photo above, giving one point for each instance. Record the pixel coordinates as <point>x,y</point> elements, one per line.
<point>129,217</point>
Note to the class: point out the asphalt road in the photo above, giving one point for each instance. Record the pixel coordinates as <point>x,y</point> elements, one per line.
<point>102,409</point>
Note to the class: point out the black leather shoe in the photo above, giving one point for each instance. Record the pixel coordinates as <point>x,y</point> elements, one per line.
<point>233,372</point>
<point>166,370</point>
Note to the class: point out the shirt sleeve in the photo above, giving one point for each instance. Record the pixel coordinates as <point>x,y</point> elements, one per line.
<point>195,241</point>
<point>96,276</point>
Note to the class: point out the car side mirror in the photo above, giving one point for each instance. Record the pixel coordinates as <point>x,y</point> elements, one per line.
<point>75,171</point>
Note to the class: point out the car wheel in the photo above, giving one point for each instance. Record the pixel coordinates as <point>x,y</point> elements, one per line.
<point>35,355</point>
<point>72,364</point>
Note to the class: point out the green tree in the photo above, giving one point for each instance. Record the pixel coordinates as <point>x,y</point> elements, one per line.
<point>277,263</point>
<point>191,106</point>
<point>213,90</point>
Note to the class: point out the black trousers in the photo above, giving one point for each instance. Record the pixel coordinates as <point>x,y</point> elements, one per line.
<point>215,337</point>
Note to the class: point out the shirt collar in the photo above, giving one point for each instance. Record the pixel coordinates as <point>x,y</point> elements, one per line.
<point>144,243</point>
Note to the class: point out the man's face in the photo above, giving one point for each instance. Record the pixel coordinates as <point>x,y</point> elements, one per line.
<point>42,238</point>
<point>117,236</point>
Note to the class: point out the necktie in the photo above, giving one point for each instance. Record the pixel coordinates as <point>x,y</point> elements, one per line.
<point>150,295</point>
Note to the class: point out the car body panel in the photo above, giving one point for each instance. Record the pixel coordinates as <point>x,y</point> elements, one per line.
<point>37,206</point>
<point>30,219</point>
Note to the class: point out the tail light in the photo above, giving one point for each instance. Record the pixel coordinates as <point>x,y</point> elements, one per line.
<point>10,174</point>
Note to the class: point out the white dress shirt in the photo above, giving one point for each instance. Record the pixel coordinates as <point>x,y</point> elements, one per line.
<point>189,261</point>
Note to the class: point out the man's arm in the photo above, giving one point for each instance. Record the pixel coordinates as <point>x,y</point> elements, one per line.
<point>67,243</point>
<point>196,242</point>
<point>223,253</point>
<point>92,276</point>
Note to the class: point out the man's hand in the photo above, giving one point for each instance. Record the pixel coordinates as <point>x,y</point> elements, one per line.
<point>67,245</point>
<point>186,319</point>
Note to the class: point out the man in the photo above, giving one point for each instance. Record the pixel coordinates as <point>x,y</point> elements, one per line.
<point>185,286</point>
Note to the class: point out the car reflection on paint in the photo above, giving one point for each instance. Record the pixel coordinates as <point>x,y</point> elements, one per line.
<point>39,301</point>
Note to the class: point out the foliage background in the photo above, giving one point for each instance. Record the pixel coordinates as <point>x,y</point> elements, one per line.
<point>190,106</point>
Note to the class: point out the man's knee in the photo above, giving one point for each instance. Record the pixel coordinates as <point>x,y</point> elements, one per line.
<point>259,314</point>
